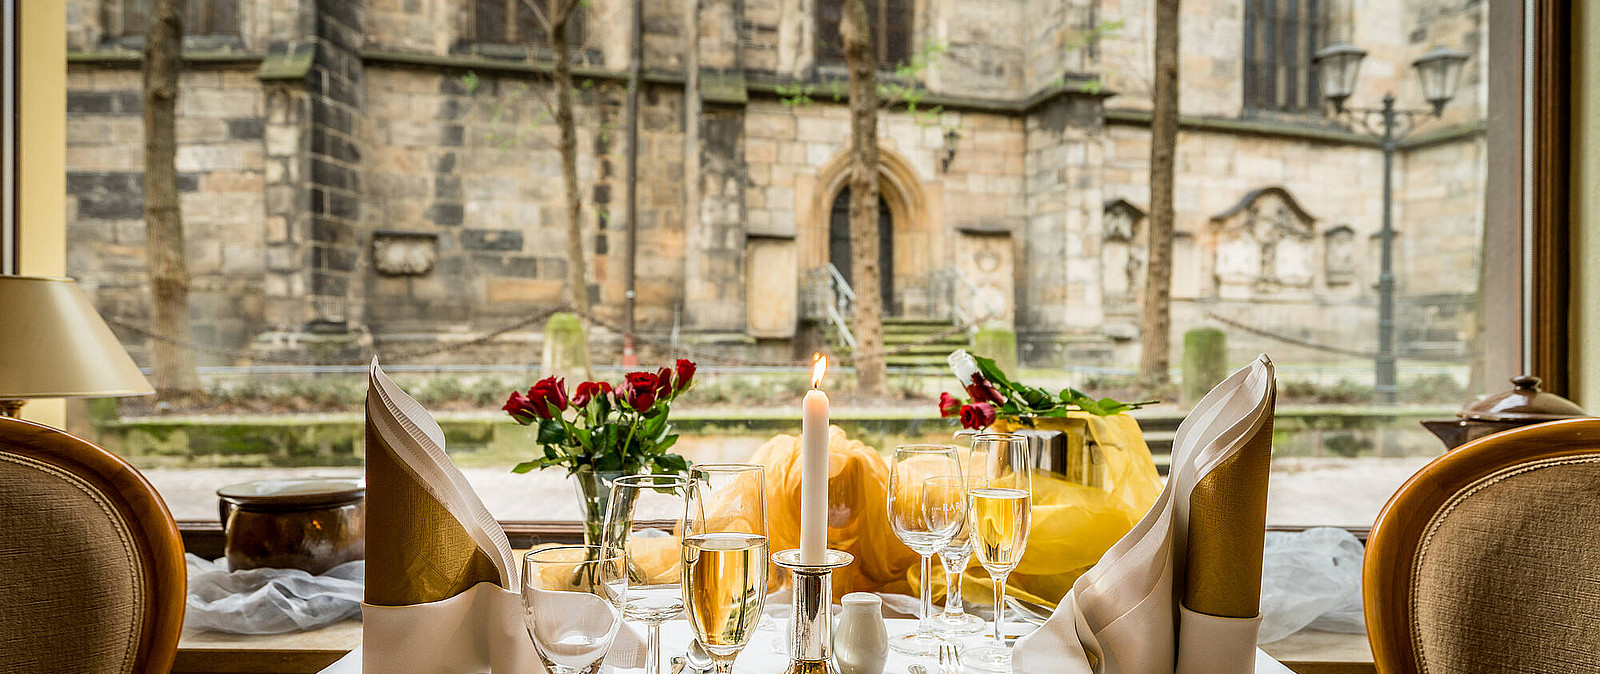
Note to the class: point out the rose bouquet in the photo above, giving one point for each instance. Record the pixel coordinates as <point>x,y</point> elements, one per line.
<point>991,395</point>
<point>605,428</point>
<point>601,432</point>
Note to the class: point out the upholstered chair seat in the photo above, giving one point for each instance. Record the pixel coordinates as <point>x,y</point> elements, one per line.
<point>91,567</point>
<point>1488,560</point>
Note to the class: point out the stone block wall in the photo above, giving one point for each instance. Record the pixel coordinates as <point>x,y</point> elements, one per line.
<point>1059,305</point>
<point>221,191</point>
<point>342,170</point>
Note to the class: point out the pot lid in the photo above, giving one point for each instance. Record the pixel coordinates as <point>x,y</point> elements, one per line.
<point>1524,402</point>
<point>295,492</point>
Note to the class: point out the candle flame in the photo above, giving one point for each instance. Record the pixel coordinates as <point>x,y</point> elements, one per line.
<point>819,369</point>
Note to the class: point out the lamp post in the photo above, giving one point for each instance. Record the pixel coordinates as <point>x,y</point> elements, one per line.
<point>1439,71</point>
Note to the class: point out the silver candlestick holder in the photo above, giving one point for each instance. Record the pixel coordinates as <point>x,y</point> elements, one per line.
<point>811,630</point>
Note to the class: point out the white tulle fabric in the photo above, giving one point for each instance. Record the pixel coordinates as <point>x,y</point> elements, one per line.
<point>1124,615</point>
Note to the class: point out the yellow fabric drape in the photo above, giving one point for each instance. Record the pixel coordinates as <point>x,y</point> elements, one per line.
<point>858,520</point>
<point>1072,524</point>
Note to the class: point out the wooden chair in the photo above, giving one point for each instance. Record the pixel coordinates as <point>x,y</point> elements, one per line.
<point>1488,560</point>
<point>92,575</point>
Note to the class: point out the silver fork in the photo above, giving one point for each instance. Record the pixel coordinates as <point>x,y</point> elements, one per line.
<point>949,659</point>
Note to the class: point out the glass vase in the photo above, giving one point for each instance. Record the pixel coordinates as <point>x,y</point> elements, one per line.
<point>594,496</point>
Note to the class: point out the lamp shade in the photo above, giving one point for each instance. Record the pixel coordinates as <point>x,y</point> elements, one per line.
<point>1338,65</point>
<point>53,344</point>
<point>1439,71</point>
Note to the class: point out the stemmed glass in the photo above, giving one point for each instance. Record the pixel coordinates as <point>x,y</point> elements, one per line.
<point>572,598</point>
<point>652,555</point>
<point>927,504</point>
<point>1001,501</point>
<point>724,563</point>
<point>955,620</point>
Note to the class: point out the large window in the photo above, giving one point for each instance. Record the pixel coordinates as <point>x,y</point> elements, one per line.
<point>415,210</point>
<point>891,30</point>
<point>1280,38</point>
<point>522,22</point>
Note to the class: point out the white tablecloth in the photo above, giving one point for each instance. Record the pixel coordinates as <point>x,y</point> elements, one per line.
<point>767,655</point>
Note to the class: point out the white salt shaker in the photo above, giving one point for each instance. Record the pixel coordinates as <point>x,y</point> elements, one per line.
<point>860,639</point>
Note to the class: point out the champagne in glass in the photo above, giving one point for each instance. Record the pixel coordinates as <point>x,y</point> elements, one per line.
<point>725,579</point>
<point>927,507</point>
<point>1001,503</point>
<point>1000,518</point>
<point>572,598</point>
<point>724,557</point>
<point>654,596</point>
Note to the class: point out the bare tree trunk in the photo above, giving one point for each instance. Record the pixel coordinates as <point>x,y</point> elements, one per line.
<point>577,283</point>
<point>863,63</point>
<point>1156,333</point>
<point>176,379</point>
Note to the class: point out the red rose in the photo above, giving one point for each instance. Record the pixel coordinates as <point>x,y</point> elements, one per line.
<point>685,374</point>
<point>664,382</point>
<point>588,390</point>
<point>983,391</point>
<point>520,408</point>
<point>549,397</point>
<point>642,380</point>
<point>640,398</point>
<point>977,416</point>
<point>949,406</point>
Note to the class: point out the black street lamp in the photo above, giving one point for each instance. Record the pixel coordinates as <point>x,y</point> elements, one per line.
<point>1439,71</point>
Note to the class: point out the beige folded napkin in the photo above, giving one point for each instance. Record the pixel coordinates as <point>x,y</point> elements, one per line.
<point>443,587</point>
<point>1179,592</point>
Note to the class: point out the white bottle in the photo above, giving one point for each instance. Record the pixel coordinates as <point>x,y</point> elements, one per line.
<point>860,639</point>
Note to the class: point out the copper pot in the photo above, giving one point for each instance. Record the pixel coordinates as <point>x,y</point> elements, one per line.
<point>313,524</point>
<point>1523,405</point>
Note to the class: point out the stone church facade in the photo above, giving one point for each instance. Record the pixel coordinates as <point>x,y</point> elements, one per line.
<point>386,168</point>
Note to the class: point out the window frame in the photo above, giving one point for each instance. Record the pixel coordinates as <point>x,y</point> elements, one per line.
<point>1311,32</point>
<point>577,30</point>
<point>827,55</point>
<point>121,14</point>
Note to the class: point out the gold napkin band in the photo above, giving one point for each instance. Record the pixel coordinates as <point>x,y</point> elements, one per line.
<point>417,552</point>
<point>1227,529</point>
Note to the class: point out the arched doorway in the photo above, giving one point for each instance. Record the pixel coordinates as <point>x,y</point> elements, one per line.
<point>839,246</point>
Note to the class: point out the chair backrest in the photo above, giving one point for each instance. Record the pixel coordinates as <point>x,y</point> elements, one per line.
<point>92,575</point>
<point>1488,559</point>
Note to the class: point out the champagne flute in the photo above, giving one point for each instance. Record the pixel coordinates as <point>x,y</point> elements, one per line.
<point>955,620</point>
<point>651,555</point>
<point>572,598</point>
<point>1001,512</point>
<point>724,562</point>
<point>927,505</point>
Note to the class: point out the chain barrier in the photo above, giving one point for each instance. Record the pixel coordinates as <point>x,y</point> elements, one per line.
<point>1466,357</point>
<point>530,319</point>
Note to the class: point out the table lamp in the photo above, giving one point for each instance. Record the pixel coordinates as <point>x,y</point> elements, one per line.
<point>53,344</point>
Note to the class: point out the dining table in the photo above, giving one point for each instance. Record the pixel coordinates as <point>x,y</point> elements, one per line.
<point>312,651</point>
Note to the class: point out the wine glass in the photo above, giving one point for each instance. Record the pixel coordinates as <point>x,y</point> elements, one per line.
<point>651,555</point>
<point>955,620</point>
<point>927,504</point>
<point>572,598</point>
<point>1001,505</point>
<point>724,564</point>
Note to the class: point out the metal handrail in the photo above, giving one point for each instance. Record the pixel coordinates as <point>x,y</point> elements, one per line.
<point>830,299</point>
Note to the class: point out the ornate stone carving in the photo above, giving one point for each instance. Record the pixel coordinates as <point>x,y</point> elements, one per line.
<point>1264,245</point>
<point>1339,255</point>
<point>1124,248</point>
<point>404,253</point>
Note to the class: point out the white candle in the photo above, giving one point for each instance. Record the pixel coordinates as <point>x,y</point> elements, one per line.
<point>814,470</point>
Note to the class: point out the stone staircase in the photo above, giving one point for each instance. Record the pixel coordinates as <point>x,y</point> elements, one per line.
<point>901,331</point>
